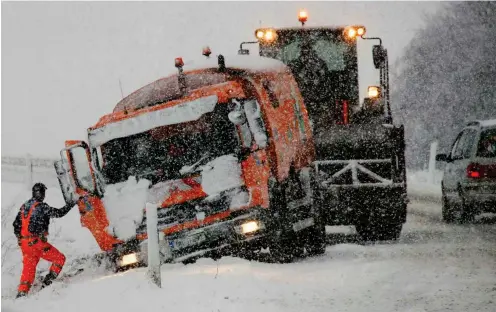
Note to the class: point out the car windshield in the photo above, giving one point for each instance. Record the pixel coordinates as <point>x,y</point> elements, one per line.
<point>160,153</point>
<point>487,144</point>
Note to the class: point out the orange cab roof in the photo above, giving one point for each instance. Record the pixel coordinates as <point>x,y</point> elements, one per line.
<point>199,73</point>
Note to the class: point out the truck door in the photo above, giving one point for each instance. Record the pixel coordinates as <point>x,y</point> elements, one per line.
<point>77,178</point>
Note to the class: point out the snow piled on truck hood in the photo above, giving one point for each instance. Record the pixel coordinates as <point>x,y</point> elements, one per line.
<point>222,173</point>
<point>124,203</point>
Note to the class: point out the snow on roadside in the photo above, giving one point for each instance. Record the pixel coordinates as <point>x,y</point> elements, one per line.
<point>421,186</point>
<point>414,276</point>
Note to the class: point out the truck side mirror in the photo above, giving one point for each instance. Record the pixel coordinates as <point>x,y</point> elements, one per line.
<point>378,55</point>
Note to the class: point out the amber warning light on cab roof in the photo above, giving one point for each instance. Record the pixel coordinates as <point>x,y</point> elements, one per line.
<point>302,17</point>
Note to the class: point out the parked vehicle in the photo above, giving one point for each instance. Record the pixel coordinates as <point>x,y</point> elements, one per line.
<point>469,181</point>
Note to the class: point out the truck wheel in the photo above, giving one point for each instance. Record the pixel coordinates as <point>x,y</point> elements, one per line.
<point>316,240</point>
<point>286,248</point>
<point>316,235</point>
<point>282,238</point>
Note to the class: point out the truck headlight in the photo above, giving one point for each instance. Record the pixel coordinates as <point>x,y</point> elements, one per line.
<point>250,227</point>
<point>129,259</point>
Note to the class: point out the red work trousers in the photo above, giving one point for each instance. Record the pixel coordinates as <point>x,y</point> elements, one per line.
<point>31,255</point>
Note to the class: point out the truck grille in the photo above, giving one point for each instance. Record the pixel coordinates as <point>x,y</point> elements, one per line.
<point>185,212</point>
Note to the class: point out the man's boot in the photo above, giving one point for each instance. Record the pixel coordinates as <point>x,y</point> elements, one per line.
<point>21,294</point>
<point>49,279</point>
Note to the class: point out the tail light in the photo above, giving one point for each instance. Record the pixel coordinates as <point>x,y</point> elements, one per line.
<point>477,171</point>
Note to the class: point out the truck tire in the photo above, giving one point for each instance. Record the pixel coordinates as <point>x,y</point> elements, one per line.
<point>281,236</point>
<point>316,240</point>
<point>316,235</point>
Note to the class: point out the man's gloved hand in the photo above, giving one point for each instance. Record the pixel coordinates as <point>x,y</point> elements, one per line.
<point>18,241</point>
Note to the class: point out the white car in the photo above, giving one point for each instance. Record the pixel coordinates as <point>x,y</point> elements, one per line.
<point>469,181</point>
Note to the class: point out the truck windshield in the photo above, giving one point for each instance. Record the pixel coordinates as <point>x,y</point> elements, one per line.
<point>159,154</point>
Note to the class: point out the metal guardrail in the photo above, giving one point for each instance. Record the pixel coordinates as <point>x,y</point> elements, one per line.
<point>22,161</point>
<point>17,170</point>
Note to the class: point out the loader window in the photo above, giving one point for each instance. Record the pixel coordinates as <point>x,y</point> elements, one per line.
<point>332,53</point>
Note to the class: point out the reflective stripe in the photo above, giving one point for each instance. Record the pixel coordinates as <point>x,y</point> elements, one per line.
<point>58,265</point>
<point>26,283</point>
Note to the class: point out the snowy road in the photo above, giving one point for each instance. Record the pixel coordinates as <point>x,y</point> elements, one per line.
<point>433,267</point>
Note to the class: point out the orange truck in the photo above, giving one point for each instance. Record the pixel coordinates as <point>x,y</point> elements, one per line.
<point>226,159</point>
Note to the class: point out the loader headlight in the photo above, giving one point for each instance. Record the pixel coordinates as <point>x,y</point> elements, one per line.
<point>129,259</point>
<point>374,91</point>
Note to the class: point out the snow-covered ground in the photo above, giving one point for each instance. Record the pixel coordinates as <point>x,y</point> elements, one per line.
<point>422,186</point>
<point>432,267</point>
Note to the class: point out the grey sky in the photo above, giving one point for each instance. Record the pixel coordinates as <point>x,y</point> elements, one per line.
<point>62,61</point>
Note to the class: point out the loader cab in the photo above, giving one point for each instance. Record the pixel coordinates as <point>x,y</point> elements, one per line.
<point>324,61</point>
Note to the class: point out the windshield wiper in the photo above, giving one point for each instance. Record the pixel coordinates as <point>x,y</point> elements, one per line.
<point>194,167</point>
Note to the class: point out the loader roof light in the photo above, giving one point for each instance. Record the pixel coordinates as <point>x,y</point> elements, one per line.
<point>267,34</point>
<point>352,32</point>
<point>374,91</point>
<point>302,16</point>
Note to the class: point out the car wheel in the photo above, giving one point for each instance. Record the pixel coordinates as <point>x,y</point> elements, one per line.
<point>447,208</point>
<point>468,211</point>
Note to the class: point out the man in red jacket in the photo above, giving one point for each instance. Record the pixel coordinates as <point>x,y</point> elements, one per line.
<point>31,228</point>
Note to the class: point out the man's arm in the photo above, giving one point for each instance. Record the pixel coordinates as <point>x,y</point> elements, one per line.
<point>58,212</point>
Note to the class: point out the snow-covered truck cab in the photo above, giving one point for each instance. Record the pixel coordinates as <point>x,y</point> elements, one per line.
<point>225,158</point>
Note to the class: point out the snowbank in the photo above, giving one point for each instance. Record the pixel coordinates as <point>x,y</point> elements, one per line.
<point>124,203</point>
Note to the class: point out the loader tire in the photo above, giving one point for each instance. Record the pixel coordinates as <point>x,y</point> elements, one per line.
<point>282,238</point>
<point>316,235</point>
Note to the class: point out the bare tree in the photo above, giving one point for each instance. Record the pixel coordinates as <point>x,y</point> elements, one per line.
<point>448,76</point>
